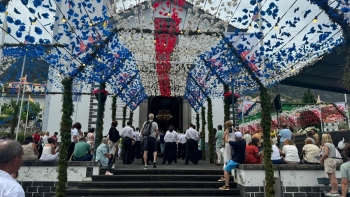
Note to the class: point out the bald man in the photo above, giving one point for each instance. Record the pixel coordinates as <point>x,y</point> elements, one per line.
<point>150,133</point>
<point>11,158</point>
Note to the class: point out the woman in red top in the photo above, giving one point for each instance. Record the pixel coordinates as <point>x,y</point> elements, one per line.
<point>252,154</point>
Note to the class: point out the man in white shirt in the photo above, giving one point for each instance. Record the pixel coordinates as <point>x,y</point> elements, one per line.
<point>170,139</point>
<point>11,158</point>
<point>138,139</point>
<point>182,146</point>
<point>192,138</point>
<point>127,133</point>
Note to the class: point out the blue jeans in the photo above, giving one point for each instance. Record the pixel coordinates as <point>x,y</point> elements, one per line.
<point>278,161</point>
<point>230,166</point>
<point>87,157</point>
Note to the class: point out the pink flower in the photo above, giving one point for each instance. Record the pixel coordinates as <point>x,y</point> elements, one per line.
<point>96,91</point>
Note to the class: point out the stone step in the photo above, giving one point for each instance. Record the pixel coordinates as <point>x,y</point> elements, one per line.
<point>156,191</point>
<point>162,172</point>
<point>152,177</point>
<point>150,184</point>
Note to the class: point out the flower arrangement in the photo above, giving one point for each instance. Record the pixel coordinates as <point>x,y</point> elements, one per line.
<point>96,91</point>
<point>307,129</point>
<point>104,94</point>
<point>228,97</point>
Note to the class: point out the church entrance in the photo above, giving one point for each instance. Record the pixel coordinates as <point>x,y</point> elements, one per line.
<point>167,111</point>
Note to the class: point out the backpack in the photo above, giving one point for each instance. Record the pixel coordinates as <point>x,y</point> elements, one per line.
<point>147,128</point>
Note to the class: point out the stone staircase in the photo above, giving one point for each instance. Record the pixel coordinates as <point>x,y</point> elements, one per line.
<point>159,182</point>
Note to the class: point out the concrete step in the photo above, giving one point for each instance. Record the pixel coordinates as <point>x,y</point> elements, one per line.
<point>152,177</point>
<point>155,191</point>
<point>150,184</point>
<point>162,172</point>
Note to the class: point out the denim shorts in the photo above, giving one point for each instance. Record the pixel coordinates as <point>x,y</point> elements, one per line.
<point>230,166</point>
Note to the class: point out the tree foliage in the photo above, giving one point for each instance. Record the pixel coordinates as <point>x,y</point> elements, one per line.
<point>226,106</point>
<point>114,107</point>
<point>124,117</point>
<point>210,129</point>
<point>203,134</point>
<point>308,97</point>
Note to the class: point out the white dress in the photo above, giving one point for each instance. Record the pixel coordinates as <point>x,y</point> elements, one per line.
<point>227,149</point>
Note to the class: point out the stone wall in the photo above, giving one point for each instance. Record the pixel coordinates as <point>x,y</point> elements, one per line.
<point>295,180</point>
<point>39,179</point>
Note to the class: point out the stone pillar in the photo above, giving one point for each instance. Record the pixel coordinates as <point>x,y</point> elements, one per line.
<point>186,114</point>
<point>143,112</point>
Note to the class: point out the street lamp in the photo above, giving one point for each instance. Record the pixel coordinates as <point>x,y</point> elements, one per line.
<point>233,100</point>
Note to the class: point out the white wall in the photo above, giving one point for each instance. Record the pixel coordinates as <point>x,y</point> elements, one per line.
<point>50,173</point>
<point>297,178</point>
<point>218,115</point>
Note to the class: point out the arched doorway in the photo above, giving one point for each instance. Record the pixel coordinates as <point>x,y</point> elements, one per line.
<point>167,111</point>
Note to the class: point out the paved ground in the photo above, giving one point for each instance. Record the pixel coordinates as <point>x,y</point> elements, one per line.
<point>202,165</point>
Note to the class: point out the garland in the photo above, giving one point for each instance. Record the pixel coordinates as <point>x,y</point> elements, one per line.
<point>197,121</point>
<point>14,121</point>
<point>66,123</point>
<point>114,107</point>
<point>203,134</point>
<point>266,125</point>
<point>226,106</point>
<point>124,117</point>
<point>131,116</point>
<point>210,129</point>
<point>100,114</point>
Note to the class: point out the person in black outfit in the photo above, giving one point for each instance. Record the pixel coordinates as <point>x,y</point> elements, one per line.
<point>192,138</point>
<point>114,137</point>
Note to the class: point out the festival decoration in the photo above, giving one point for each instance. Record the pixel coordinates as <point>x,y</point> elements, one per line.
<point>210,130</point>
<point>228,97</point>
<point>103,94</point>
<point>202,133</point>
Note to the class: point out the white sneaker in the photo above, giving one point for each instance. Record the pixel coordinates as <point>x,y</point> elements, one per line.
<point>108,173</point>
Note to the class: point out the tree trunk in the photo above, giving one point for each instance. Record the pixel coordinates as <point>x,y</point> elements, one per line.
<point>100,116</point>
<point>226,106</point>
<point>66,123</point>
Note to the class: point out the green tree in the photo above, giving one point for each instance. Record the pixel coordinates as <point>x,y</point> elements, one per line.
<point>308,97</point>
<point>8,109</point>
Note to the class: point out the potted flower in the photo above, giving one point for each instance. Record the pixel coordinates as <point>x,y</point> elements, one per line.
<point>104,94</point>
<point>228,97</point>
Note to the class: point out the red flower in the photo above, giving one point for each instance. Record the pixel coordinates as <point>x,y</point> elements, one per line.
<point>229,94</point>
<point>96,91</point>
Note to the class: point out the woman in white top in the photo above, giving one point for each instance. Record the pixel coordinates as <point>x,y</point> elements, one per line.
<point>227,148</point>
<point>49,151</point>
<point>310,152</point>
<point>170,139</point>
<point>30,150</point>
<point>275,155</point>
<point>290,153</point>
<point>75,133</point>
<point>44,138</point>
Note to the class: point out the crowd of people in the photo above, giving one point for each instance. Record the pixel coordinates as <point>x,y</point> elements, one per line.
<point>232,149</point>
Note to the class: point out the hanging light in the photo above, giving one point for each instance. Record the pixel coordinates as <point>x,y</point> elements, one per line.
<point>34,21</point>
<point>64,20</point>
<point>90,24</point>
<point>155,41</point>
<point>250,26</point>
<point>169,14</point>
<point>315,20</point>
<point>181,32</point>
<point>276,26</point>
<point>292,70</point>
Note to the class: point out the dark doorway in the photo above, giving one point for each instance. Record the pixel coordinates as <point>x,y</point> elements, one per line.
<point>163,108</point>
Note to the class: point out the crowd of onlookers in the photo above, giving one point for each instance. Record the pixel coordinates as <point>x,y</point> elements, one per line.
<point>247,149</point>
